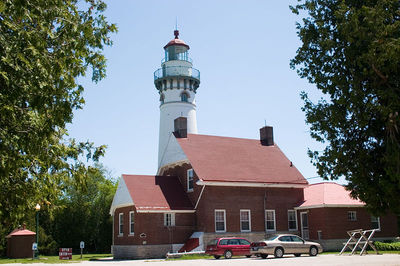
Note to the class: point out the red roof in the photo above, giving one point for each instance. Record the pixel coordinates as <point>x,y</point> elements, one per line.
<point>20,232</point>
<point>176,42</point>
<point>226,159</point>
<point>328,193</point>
<point>157,192</point>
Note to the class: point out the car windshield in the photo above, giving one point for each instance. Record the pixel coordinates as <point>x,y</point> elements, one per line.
<point>213,242</point>
<point>272,237</point>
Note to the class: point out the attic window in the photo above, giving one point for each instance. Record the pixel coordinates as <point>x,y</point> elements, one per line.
<point>190,180</point>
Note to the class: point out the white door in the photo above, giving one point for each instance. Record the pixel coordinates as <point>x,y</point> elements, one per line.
<point>304,225</point>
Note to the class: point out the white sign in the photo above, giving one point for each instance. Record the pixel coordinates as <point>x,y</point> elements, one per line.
<point>34,246</point>
<point>82,244</point>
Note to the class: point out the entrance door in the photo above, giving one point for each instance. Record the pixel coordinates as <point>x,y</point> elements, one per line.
<point>304,225</point>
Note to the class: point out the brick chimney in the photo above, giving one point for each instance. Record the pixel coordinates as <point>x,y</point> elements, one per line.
<point>180,127</point>
<point>267,136</point>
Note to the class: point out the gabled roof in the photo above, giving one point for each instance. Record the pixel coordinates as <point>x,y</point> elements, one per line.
<point>225,159</point>
<point>157,193</point>
<point>328,194</point>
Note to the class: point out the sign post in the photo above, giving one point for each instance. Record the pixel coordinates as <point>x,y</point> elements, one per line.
<point>82,245</point>
<point>34,249</point>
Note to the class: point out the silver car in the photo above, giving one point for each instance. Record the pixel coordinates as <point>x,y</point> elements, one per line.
<point>278,245</point>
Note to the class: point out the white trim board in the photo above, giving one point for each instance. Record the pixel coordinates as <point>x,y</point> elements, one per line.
<point>329,206</point>
<point>248,184</point>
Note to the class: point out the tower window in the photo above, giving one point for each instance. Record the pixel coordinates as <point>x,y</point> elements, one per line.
<point>184,97</point>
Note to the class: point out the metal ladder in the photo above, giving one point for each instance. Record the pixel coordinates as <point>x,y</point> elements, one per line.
<point>359,238</point>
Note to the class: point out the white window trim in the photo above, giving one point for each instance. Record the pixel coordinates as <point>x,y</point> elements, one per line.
<point>379,223</point>
<point>295,218</point>
<point>130,223</point>
<point>270,230</point>
<point>121,214</point>
<point>187,180</point>
<point>355,216</point>
<point>215,220</point>
<point>240,214</point>
<point>172,219</point>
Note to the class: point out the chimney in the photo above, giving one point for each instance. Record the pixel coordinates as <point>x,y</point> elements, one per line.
<point>180,127</point>
<point>267,136</point>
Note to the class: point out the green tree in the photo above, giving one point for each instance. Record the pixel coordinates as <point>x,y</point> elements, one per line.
<point>45,45</point>
<point>83,215</point>
<point>351,51</point>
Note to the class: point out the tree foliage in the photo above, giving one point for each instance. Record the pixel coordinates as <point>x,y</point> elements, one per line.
<point>44,47</point>
<point>351,51</point>
<point>83,215</point>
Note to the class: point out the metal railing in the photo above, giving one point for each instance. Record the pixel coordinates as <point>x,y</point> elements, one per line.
<point>176,71</point>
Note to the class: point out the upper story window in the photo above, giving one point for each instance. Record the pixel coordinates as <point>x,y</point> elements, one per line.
<point>270,220</point>
<point>352,216</point>
<point>190,175</point>
<point>131,223</point>
<point>121,224</point>
<point>169,219</point>
<point>292,220</point>
<point>184,97</point>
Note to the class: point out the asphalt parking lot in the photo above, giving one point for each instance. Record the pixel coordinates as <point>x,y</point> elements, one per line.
<point>386,259</point>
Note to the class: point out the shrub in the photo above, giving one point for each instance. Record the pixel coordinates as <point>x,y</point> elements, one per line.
<point>387,246</point>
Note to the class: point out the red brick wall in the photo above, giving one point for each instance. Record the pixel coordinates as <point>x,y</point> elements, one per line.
<point>181,173</point>
<point>152,224</point>
<point>333,223</point>
<point>233,199</point>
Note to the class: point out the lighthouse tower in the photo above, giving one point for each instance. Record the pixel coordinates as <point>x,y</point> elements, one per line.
<point>177,82</point>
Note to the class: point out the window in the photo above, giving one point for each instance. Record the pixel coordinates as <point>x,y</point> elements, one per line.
<point>296,239</point>
<point>190,180</point>
<point>285,239</point>
<point>131,223</point>
<point>375,223</point>
<point>184,97</point>
<point>169,219</point>
<point>270,220</point>
<point>292,220</point>
<point>162,98</point>
<point>121,224</point>
<point>244,242</point>
<point>352,216</point>
<point>220,221</point>
<point>223,242</point>
<point>245,221</point>
<point>319,234</point>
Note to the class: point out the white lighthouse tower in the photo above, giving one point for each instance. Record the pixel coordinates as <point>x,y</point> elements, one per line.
<point>177,82</point>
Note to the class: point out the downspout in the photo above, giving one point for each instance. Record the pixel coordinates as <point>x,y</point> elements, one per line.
<point>265,217</point>
<point>113,229</point>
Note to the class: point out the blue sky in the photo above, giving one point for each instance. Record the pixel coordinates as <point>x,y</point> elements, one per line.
<point>242,49</point>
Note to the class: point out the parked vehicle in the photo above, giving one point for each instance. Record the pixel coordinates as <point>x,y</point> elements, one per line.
<point>228,247</point>
<point>278,245</point>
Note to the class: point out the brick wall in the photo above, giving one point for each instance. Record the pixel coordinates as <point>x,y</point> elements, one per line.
<point>334,223</point>
<point>233,199</point>
<point>152,225</point>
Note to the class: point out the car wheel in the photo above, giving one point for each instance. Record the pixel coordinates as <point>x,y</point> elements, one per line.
<point>217,257</point>
<point>313,251</point>
<point>278,253</point>
<point>248,256</point>
<point>264,256</point>
<point>228,254</point>
<point>297,254</point>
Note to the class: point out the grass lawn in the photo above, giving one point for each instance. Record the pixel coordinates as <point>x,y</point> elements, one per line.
<point>55,259</point>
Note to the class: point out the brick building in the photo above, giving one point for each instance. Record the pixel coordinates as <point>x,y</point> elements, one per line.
<point>211,186</point>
